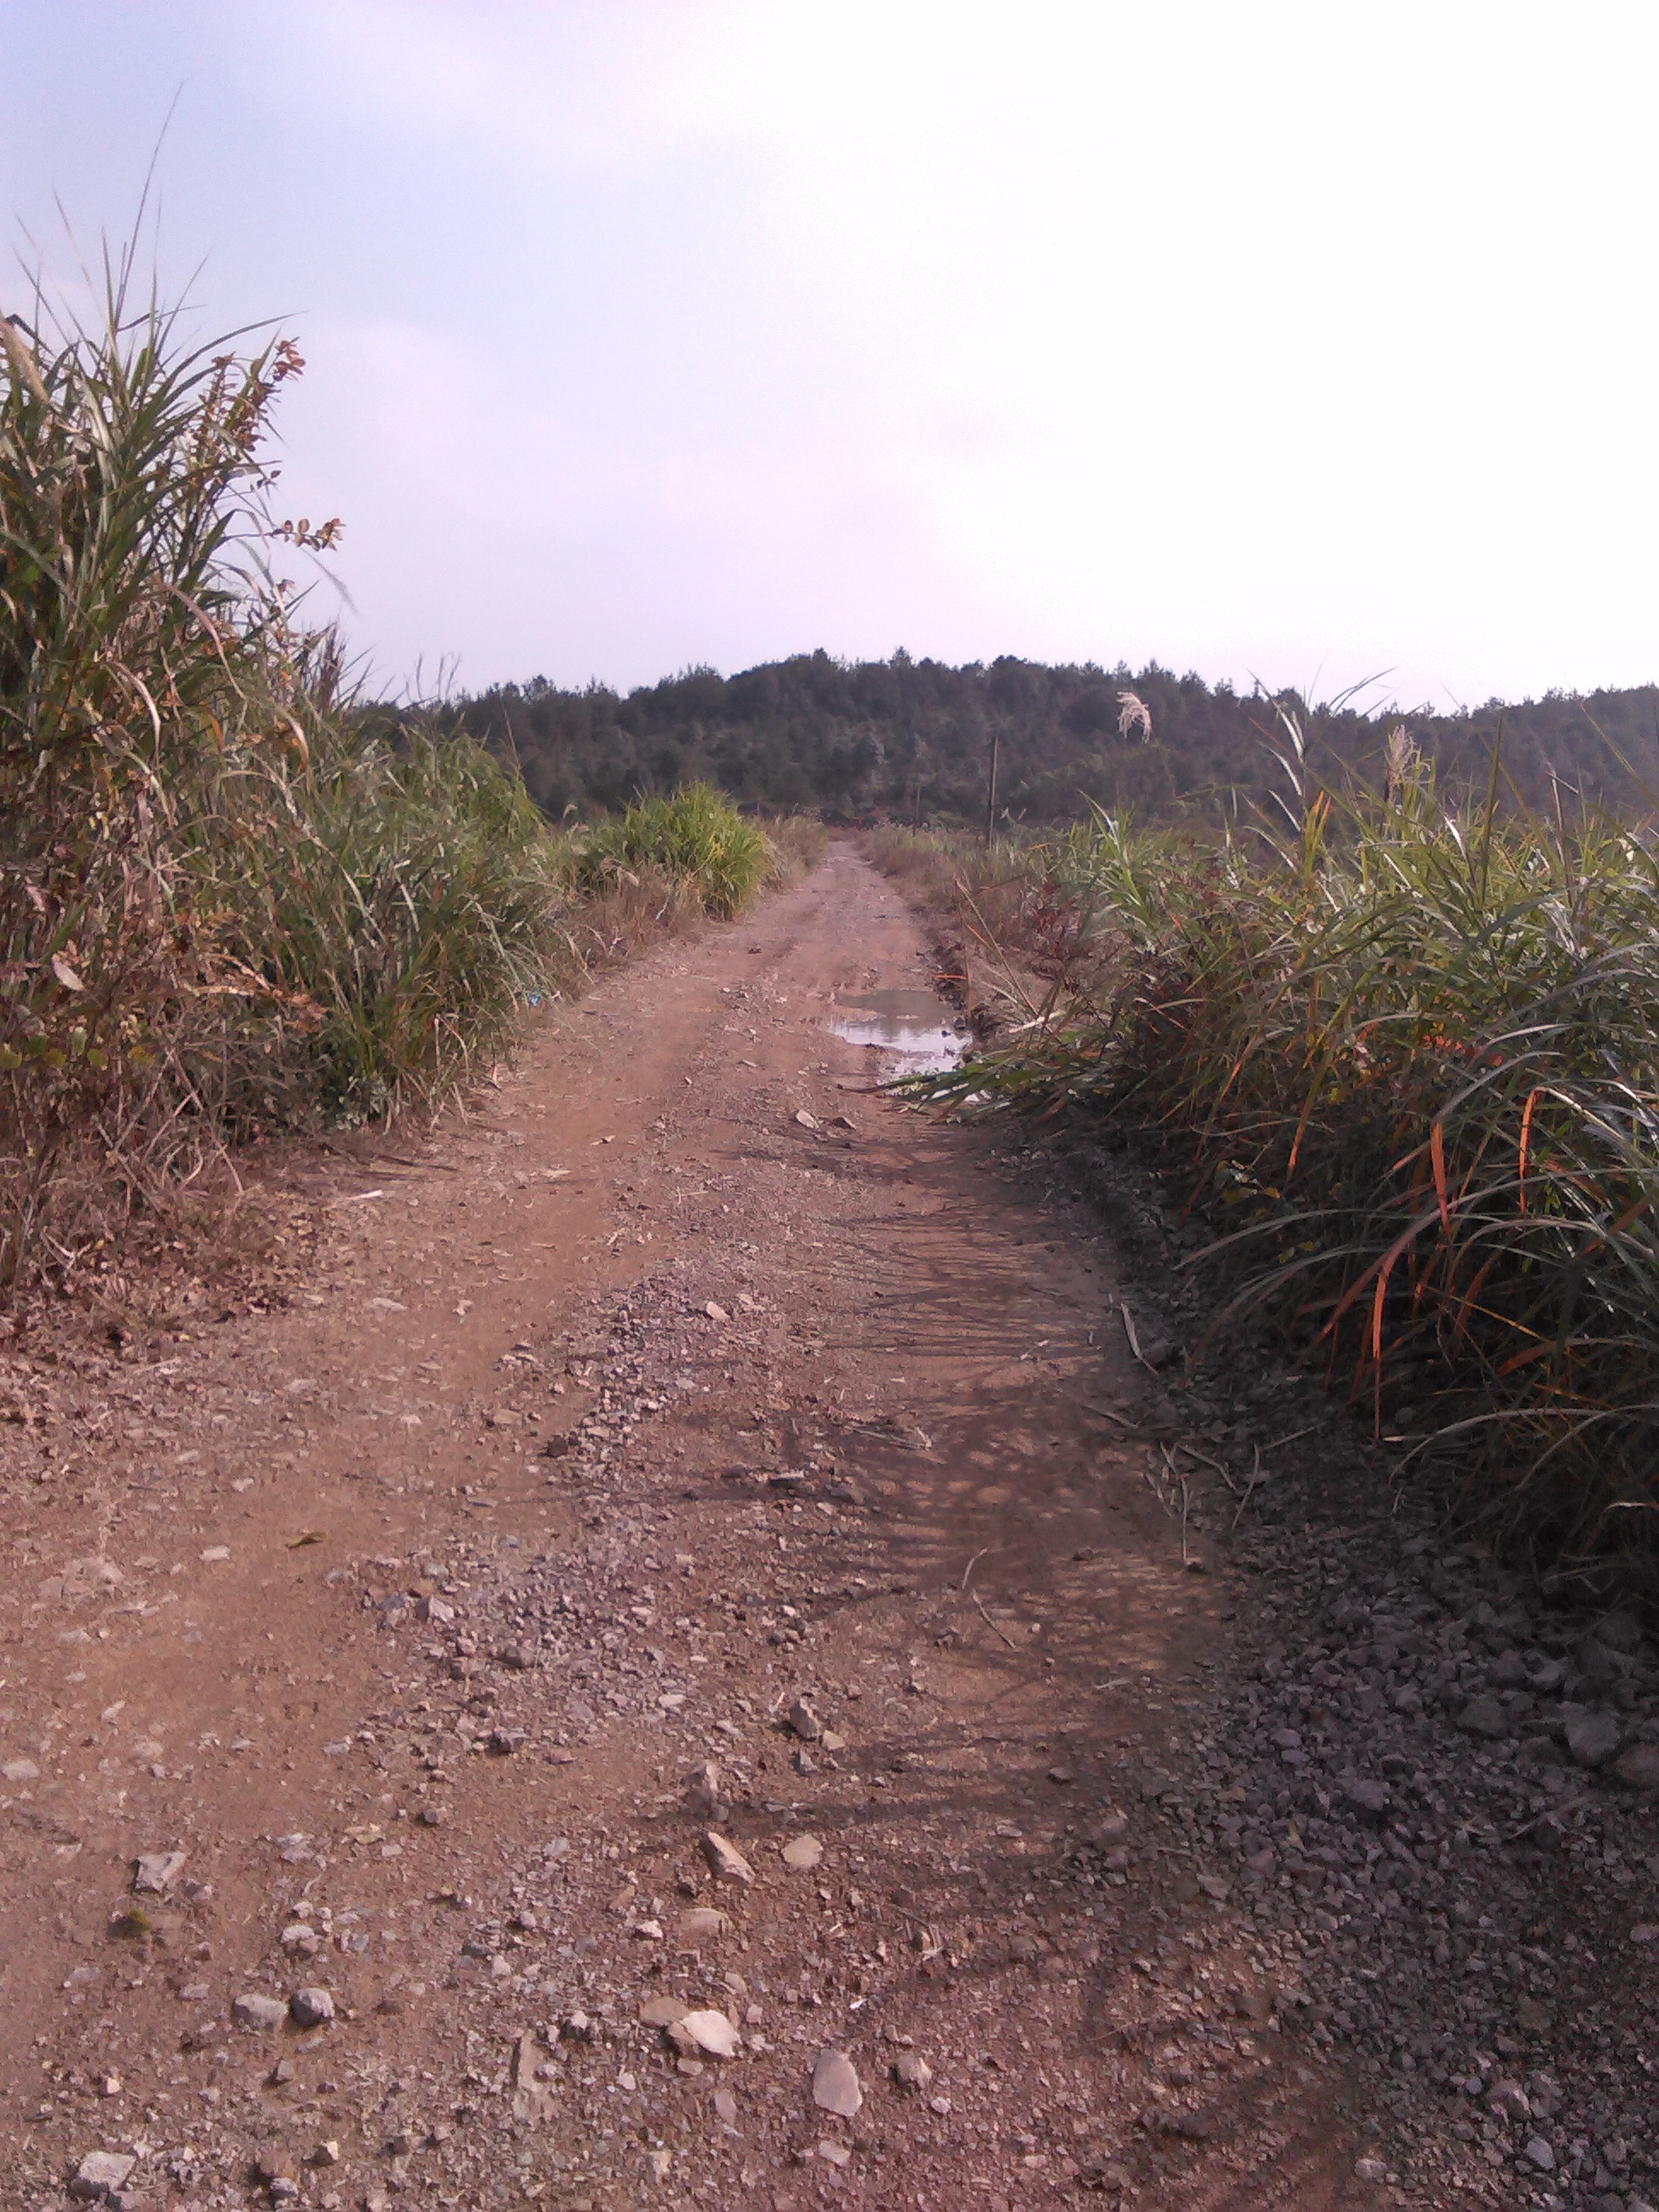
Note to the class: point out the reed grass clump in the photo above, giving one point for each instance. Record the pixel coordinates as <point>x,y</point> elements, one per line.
<point>234,897</point>
<point>230,896</point>
<point>999,891</point>
<point>696,835</point>
<point>415,903</point>
<point>797,841</point>
<point>1409,1052</point>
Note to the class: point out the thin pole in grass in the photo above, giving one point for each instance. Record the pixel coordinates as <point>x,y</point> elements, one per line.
<point>991,795</point>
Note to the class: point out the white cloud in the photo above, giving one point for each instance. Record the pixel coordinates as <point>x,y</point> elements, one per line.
<point>1253,335</point>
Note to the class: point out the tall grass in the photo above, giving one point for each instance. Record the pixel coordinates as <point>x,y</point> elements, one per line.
<point>696,834</point>
<point>411,904</point>
<point>1410,1049</point>
<point>797,841</point>
<point>232,896</point>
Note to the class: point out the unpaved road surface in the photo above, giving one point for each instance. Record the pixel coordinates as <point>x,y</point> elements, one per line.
<point>690,1444</point>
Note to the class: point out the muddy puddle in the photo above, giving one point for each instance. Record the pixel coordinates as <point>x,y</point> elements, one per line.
<point>914,1028</point>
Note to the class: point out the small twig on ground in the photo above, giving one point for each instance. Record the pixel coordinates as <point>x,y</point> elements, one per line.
<point>1107,1414</point>
<point>1251,1488</point>
<point>973,1562</point>
<point>1204,1460</point>
<point>1294,1437</point>
<point>1134,1341</point>
<point>1217,1468</point>
<point>1549,1813</point>
<point>1176,1475</point>
<point>991,1624</point>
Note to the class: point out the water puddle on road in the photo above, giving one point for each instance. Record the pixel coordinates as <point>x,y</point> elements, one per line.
<point>919,1031</point>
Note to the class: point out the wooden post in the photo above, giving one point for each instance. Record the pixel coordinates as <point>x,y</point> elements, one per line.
<point>991,798</point>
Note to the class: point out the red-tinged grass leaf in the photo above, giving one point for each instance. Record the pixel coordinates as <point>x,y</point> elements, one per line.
<point>1438,1161</point>
<point>1521,1148</point>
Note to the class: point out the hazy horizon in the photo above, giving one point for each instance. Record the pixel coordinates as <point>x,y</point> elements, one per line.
<point>1267,339</point>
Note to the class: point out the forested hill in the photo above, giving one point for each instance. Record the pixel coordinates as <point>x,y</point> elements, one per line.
<point>912,738</point>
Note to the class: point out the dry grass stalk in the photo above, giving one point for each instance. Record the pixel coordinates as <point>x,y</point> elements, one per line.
<point>1406,1051</point>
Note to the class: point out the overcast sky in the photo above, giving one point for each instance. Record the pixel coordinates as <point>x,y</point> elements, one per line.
<point>1293,341</point>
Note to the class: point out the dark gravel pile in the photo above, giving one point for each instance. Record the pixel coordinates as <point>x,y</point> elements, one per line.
<point>1430,1782</point>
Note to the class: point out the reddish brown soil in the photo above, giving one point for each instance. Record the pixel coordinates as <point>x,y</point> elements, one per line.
<point>502,1467</point>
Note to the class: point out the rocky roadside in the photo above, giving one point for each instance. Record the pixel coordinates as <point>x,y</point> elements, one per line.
<point>1434,1791</point>
<point>1451,1792</point>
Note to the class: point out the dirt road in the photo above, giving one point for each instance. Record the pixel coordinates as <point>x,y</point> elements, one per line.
<point>688,1414</point>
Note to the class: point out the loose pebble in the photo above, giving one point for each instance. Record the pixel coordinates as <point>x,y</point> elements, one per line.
<point>836,2084</point>
<point>726,1861</point>
<point>710,2031</point>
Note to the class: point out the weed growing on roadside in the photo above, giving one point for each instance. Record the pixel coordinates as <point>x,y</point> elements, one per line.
<point>696,833</point>
<point>1409,1048</point>
<point>233,896</point>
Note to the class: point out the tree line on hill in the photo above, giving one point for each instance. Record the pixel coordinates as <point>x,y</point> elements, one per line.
<point>913,740</point>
